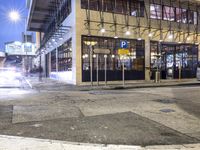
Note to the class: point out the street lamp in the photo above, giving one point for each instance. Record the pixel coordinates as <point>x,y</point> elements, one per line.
<point>14,15</point>
<point>91,44</point>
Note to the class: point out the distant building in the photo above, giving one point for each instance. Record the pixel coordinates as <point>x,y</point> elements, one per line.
<point>20,55</point>
<point>27,38</point>
<point>2,59</point>
<point>20,48</point>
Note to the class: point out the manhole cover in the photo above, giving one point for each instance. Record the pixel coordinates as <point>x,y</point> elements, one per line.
<point>167,110</point>
<point>165,101</point>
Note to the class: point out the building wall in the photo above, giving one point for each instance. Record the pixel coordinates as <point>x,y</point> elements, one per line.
<point>81,29</point>
<point>77,21</point>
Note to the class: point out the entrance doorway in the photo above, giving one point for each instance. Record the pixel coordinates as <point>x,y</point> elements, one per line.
<point>177,60</point>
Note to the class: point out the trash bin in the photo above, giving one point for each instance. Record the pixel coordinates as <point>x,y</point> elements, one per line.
<point>157,77</point>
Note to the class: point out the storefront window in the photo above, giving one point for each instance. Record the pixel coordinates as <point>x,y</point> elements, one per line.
<point>168,13</point>
<point>65,56</point>
<point>173,58</point>
<point>154,52</point>
<point>134,61</point>
<point>53,60</point>
<point>155,11</point>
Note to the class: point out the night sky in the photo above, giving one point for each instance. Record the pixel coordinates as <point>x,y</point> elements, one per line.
<point>10,31</point>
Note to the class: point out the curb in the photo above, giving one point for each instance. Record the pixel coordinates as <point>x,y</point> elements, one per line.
<point>23,143</point>
<point>149,86</point>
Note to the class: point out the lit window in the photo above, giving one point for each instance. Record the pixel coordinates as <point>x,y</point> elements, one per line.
<point>169,13</point>
<point>190,17</point>
<point>178,14</point>
<point>184,15</point>
<point>155,11</point>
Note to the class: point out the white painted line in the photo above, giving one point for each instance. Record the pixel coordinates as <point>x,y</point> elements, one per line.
<point>29,83</point>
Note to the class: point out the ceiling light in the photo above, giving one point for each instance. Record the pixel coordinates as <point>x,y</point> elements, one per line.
<point>116,37</point>
<point>60,38</point>
<point>94,56</point>
<point>170,36</point>
<point>103,30</point>
<point>128,32</point>
<point>150,34</point>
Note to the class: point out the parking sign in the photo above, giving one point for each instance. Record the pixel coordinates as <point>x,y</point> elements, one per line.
<point>124,44</point>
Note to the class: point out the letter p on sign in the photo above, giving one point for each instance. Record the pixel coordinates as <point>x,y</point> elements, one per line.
<point>124,44</point>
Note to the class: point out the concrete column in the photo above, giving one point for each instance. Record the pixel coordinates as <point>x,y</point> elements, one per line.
<point>79,30</point>
<point>147,59</point>
<point>38,35</point>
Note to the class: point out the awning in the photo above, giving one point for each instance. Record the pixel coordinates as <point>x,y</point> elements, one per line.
<point>38,14</point>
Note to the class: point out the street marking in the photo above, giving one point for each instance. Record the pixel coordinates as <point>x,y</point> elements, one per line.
<point>29,83</point>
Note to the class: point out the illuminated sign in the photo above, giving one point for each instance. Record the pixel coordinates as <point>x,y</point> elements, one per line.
<point>123,52</point>
<point>124,44</point>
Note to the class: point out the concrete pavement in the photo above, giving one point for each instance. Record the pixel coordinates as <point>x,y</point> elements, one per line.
<point>21,143</point>
<point>57,111</point>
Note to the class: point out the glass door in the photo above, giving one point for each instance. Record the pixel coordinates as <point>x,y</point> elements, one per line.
<point>168,61</point>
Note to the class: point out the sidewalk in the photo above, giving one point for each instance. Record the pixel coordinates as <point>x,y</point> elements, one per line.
<point>111,120</point>
<point>112,85</point>
<point>21,143</point>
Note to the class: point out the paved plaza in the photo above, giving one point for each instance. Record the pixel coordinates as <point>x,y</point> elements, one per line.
<point>140,116</point>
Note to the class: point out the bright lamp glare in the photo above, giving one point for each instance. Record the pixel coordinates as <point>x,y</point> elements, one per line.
<point>150,34</point>
<point>14,15</point>
<point>128,32</point>
<point>170,36</point>
<point>103,30</point>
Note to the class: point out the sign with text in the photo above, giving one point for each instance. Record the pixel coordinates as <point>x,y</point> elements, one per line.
<point>123,52</point>
<point>101,51</point>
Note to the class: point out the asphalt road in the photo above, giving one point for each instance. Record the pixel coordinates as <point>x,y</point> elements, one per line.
<point>149,116</point>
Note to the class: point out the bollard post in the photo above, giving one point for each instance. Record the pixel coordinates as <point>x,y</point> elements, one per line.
<point>105,56</point>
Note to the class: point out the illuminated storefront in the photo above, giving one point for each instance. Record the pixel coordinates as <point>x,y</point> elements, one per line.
<point>162,36</point>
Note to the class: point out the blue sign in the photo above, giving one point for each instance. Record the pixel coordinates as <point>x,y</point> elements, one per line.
<point>124,44</point>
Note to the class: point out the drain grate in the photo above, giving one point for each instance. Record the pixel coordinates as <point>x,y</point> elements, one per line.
<point>165,101</point>
<point>167,110</point>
